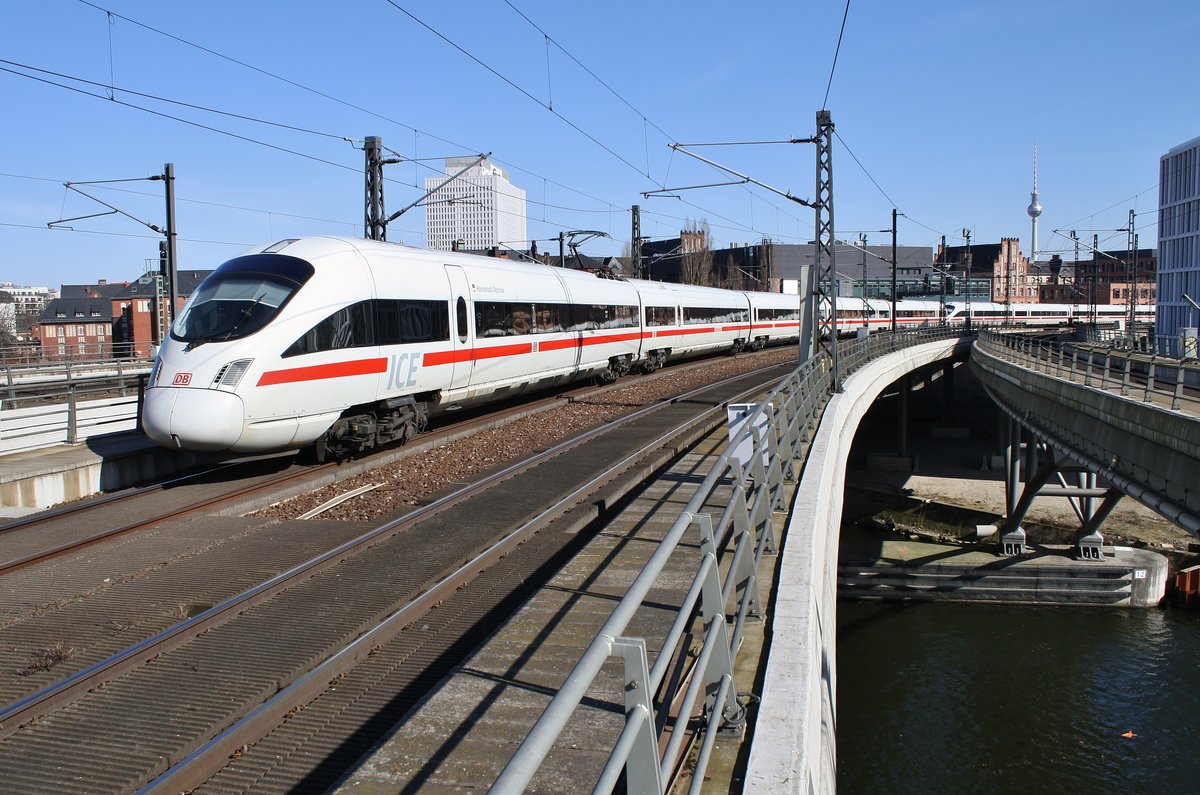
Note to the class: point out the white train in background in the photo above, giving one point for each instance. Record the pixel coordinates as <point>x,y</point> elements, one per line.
<point>877,314</point>
<point>350,343</point>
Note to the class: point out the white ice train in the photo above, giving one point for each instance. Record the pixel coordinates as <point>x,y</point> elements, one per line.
<point>349,343</point>
<point>877,314</point>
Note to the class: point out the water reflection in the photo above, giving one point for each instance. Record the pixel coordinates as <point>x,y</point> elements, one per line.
<point>942,698</point>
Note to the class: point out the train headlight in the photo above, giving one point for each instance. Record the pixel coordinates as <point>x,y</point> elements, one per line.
<point>230,375</point>
<point>155,372</point>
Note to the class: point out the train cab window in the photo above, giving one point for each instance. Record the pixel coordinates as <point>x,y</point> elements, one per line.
<point>461,316</point>
<point>240,297</point>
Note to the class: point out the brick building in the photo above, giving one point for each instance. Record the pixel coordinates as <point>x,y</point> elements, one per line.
<point>109,319</point>
<point>1002,265</point>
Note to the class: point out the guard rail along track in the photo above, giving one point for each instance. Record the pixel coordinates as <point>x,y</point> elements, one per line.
<point>69,407</point>
<point>778,433</point>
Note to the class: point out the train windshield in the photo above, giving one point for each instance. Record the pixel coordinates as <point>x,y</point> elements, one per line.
<point>240,297</point>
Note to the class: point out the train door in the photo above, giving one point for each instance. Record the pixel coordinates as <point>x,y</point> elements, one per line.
<point>460,326</point>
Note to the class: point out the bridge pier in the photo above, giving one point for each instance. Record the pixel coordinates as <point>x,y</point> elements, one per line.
<point>1035,471</point>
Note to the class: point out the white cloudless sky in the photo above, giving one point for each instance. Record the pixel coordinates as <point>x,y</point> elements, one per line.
<point>937,106</point>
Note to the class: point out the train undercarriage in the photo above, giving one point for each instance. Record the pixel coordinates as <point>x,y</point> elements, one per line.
<point>364,427</point>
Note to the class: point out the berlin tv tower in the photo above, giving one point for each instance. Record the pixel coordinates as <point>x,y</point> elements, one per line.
<point>1034,210</point>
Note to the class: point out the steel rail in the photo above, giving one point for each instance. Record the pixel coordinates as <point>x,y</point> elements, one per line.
<point>85,541</point>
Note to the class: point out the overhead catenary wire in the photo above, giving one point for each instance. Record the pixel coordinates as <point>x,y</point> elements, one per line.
<point>836,51</point>
<point>325,95</point>
<point>417,131</point>
<point>646,121</point>
<point>237,135</point>
<point>514,85</point>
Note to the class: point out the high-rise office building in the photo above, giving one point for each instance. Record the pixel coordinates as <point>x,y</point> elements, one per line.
<point>1178,240</point>
<point>477,210</point>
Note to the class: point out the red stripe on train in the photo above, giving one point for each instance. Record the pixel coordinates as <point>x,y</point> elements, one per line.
<point>475,354</point>
<point>318,372</point>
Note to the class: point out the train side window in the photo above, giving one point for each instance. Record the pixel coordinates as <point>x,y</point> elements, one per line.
<point>502,318</point>
<point>399,322</point>
<point>461,312</point>
<point>349,327</point>
<point>549,318</point>
<point>660,316</point>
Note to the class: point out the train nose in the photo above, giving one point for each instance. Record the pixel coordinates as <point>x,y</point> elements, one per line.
<point>192,419</point>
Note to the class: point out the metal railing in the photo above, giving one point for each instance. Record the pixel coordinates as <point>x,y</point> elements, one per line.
<point>36,354</point>
<point>731,549</point>
<point>18,375</point>
<point>45,414</point>
<point>1111,369</point>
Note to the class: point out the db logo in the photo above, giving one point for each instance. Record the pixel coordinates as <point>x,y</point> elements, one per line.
<point>182,379</point>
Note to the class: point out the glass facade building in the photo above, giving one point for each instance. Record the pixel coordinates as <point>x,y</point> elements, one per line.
<point>1178,240</point>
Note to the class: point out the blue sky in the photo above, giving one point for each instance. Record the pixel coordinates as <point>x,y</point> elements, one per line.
<point>937,104</point>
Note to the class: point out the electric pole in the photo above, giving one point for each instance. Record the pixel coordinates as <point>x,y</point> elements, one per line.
<point>161,297</point>
<point>374,227</point>
<point>825,276</point>
<point>893,270</point>
<point>1075,240</point>
<point>172,261</point>
<point>637,243</point>
<point>862,243</point>
<point>967,280</point>
<point>1008,284</point>
<point>1132,279</point>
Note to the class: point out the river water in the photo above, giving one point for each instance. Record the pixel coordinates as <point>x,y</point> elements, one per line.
<point>951,698</point>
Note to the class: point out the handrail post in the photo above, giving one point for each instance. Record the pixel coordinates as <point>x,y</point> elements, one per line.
<point>1125,375</point>
<point>642,772</point>
<point>1177,398</point>
<point>72,414</point>
<point>1150,379</point>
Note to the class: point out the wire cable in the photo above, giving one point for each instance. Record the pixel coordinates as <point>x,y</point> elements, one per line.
<point>838,49</point>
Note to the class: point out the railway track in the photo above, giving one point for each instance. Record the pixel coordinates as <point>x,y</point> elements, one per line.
<point>265,637</point>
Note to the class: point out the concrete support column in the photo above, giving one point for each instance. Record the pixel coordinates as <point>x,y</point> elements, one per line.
<point>1012,535</point>
<point>902,420</point>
